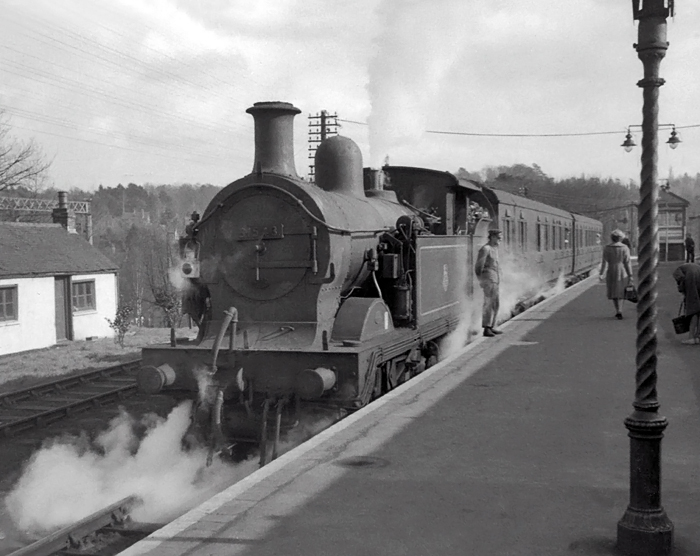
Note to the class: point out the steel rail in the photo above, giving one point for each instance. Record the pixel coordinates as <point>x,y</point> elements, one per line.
<point>70,536</point>
<point>59,398</point>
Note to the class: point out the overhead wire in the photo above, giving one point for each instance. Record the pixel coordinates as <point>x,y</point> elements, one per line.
<point>102,92</point>
<point>65,82</point>
<point>92,142</point>
<point>158,142</point>
<point>199,68</point>
<point>176,77</point>
<point>51,120</point>
<point>475,134</point>
<point>151,69</point>
<point>80,88</point>
<point>105,61</point>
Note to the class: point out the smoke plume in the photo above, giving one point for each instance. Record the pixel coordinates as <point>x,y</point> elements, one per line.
<point>416,49</point>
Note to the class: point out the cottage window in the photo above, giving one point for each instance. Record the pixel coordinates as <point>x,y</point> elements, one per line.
<point>8,303</point>
<point>84,295</point>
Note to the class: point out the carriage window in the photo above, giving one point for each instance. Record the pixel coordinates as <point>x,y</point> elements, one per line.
<point>508,232</point>
<point>539,236</point>
<point>567,238</point>
<point>511,232</point>
<point>546,237</point>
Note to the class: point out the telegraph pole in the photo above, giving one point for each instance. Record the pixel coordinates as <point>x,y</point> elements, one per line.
<point>321,126</point>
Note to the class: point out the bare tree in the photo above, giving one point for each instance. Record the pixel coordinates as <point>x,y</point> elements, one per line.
<point>21,163</point>
<point>165,295</point>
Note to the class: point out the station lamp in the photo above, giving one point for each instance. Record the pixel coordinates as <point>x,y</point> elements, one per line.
<point>673,140</point>
<point>628,144</point>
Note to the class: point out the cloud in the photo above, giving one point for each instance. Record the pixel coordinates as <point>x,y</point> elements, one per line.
<point>171,30</point>
<point>172,79</point>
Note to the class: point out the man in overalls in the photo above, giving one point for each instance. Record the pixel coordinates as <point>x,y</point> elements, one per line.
<point>488,273</point>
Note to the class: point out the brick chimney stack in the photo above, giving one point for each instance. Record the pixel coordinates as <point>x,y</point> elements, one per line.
<point>62,215</point>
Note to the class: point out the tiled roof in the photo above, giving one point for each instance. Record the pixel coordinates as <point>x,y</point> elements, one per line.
<point>46,250</point>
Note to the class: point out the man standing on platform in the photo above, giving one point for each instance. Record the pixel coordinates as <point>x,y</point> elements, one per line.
<point>689,249</point>
<point>489,276</point>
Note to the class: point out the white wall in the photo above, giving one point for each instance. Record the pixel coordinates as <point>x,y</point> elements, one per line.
<point>94,323</point>
<point>36,324</point>
<point>35,327</point>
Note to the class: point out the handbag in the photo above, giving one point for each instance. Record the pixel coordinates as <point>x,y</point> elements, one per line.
<point>631,294</point>
<point>681,324</point>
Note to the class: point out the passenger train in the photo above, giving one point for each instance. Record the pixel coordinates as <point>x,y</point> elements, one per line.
<point>326,294</point>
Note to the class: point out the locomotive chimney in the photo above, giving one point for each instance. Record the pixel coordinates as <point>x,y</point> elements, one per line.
<point>274,137</point>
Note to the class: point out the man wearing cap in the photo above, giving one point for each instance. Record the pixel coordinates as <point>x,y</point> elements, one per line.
<point>488,273</point>
<point>689,249</point>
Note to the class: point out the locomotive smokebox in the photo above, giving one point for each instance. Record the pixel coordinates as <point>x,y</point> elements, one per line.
<point>339,166</point>
<point>274,137</point>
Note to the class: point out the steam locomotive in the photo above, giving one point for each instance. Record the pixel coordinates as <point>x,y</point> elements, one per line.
<point>328,294</point>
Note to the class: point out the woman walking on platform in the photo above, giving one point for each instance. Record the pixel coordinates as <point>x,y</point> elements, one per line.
<point>687,277</point>
<point>616,260</point>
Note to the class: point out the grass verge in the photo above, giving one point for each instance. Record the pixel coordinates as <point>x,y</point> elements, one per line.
<point>30,368</point>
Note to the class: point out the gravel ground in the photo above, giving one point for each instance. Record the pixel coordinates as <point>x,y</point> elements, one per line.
<point>28,368</point>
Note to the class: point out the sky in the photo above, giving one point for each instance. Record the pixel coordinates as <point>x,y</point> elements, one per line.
<point>155,91</point>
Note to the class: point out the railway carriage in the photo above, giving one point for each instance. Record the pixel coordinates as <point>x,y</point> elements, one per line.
<point>547,241</point>
<point>325,295</point>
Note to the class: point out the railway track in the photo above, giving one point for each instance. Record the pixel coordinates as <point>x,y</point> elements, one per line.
<point>44,404</point>
<point>106,531</point>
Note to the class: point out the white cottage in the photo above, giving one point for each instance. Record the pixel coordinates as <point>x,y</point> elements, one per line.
<point>54,286</point>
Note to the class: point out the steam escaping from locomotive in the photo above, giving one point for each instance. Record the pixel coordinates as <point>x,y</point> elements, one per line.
<point>520,287</point>
<point>328,294</point>
<point>72,477</point>
<point>178,279</point>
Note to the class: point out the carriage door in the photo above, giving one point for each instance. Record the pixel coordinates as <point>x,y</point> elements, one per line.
<point>64,328</point>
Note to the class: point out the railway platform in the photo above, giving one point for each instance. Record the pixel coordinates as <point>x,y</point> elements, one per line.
<point>514,447</point>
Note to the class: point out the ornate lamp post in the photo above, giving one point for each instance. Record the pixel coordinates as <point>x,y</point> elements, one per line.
<point>645,529</point>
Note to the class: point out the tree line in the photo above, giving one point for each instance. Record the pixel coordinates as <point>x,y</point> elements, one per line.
<point>137,226</point>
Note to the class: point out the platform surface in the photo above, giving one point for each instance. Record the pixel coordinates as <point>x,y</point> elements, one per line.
<point>516,447</point>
